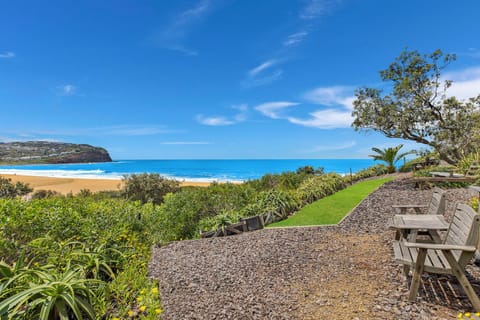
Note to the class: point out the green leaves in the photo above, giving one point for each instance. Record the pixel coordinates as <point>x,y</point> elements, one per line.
<point>390,156</point>
<point>148,187</point>
<point>42,293</point>
<point>418,107</point>
<point>10,190</point>
<point>80,244</point>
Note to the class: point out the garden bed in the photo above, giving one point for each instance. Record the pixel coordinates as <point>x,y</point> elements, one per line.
<point>338,272</point>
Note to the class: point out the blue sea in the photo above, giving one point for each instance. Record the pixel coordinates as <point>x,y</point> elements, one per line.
<point>188,170</point>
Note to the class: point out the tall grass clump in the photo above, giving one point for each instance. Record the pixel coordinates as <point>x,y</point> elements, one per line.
<point>318,187</point>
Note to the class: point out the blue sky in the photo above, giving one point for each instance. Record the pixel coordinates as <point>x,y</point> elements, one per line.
<point>215,79</point>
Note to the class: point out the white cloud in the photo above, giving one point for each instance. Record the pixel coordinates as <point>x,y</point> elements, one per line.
<point>7,55</point>
<point>214,121</point>
<point>262,67</point>
<point>338,99</point>
<point>316,8</point>
<point>185,143</point>
<point>67,90</point>
<point>133,130</point>
<point>466,83</point>
<point>273,109</point>
<point>175,33</point>
<point>119,130</point>
<point>262,75</point>
<point>242,112</point>
<point>295,38</point>
<point>225,121</point>
<point>331,96</point>
<point>325,119</point>
<point>341,146</point>
<point>263,80</point>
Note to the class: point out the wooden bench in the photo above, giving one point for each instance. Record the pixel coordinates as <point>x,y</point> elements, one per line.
<point>448,257</point>
<point>435,206</point>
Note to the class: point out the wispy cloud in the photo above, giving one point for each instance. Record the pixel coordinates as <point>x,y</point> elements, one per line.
<point>118,130</point>
<point>214,121</point>
<point>338,101</point>
<point>7,55</point>
<point>240,116</point>
<point>466,82</point>
<point>185,143</point>
<point>332,96</point>
<point>338,146</point>
<point>325,119</point>
<point>274,109</point>
<point>262,67</point>
<point>67,90</point>
<point>295,38</point>
<point>263,74</point>
<point>316,8</point>
<point>173,36</point>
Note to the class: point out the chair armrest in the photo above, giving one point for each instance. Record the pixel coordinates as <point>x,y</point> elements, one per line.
<point>439,246</point>
<point>410,206</point>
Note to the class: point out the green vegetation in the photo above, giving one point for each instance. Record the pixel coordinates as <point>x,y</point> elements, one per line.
<point>85,256</point>
<point>10,190</point>
<point>331,209</point>
<point>148,187</point>
<point>390,156</point>
<point>79,257</point>
<point>419,109</point>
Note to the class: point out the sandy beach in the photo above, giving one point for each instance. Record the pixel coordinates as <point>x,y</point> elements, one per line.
<point>74,185</point>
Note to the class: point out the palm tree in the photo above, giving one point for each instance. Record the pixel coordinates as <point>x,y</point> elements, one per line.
<point>390,156</point>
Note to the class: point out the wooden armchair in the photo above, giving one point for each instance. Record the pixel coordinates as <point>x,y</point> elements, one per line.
<point>449,257</point>
<point>436,205</point>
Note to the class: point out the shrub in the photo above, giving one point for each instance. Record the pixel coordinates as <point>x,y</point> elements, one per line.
<point>373,171</point>
<point>318,187</point>
<point>272,201</point>
<point>148,187</point>
<point>10,190</point>
<point>465,163</point>
<point>219,221</point>
<point>181,212</point>
<point>105,243</point>
<point>283,181</point>
<point>474,203</point>
<point>41,194</point>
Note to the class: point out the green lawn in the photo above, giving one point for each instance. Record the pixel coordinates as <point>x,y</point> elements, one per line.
<point>331,209</point>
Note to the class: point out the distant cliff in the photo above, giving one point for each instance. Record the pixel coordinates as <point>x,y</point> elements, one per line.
<point>51,152</point>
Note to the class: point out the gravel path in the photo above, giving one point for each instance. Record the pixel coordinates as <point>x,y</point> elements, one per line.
<point>343,272</point>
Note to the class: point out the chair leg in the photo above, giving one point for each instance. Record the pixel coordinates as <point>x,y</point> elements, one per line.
<point>406,270</point>
<point>460,275</point>
<point>417,274</point>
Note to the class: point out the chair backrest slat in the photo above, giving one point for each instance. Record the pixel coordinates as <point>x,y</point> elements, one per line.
<point>437,204</point>
<point>463,231</point>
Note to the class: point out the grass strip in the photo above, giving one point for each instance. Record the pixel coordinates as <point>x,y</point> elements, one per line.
<point>331,209</point>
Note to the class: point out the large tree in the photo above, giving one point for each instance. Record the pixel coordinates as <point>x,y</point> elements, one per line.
<point>418,107</point>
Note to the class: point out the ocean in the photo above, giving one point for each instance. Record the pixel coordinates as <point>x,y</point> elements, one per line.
<point>188,170</point>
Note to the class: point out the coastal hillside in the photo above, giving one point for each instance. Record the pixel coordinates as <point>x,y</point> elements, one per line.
<point>51,152</point>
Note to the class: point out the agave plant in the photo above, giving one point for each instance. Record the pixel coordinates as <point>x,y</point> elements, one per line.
<point>47,295</point>
<point>390,156</point>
